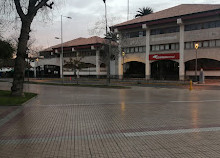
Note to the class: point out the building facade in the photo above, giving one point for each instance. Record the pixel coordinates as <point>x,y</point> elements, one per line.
<point>81,56</point>
<point>161,45</point>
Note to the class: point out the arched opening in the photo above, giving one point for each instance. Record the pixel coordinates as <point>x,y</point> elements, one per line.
<point>211,66</point>
<point>165,70</point>
<point>134,69</point>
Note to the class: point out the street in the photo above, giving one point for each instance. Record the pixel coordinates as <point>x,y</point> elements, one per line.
<point>86,122</point>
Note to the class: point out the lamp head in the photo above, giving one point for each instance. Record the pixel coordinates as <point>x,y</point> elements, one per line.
<point>196,46</point>
<point>123,54</point>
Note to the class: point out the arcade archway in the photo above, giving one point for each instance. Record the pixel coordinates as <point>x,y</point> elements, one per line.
<point>165,70</point>
<point>134,69</point>
<point>204,63</point>
<point>210,66</point>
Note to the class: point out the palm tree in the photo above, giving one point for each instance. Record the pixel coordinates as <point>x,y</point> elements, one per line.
<point>144,11</point>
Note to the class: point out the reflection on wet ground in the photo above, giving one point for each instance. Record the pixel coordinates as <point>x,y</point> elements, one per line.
<point>98,122</point>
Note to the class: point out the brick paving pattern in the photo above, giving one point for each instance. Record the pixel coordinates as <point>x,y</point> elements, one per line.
<point>112,123</point>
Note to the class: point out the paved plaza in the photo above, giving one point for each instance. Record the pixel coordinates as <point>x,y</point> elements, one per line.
<point>85,122</point>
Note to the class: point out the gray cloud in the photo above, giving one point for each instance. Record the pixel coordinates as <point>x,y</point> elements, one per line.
<point>85,14</point>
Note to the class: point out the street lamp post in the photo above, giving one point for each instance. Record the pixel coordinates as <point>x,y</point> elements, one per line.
<point>36,68</point>
<point>108,39</point>
<point>106,22</point>
<point>61,38</point>
<point>123,56</point>
<point>196,47</point>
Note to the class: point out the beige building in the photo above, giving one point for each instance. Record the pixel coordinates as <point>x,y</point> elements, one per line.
<point>161,45</point>
<point>90,52</point>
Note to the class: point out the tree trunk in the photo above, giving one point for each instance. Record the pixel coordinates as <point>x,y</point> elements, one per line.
<point>19,69</point>
<point>108,63</point>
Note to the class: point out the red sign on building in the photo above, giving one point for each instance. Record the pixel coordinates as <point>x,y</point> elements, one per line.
<point>164,56</point>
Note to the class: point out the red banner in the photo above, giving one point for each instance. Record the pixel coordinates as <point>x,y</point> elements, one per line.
<point>164,56</point>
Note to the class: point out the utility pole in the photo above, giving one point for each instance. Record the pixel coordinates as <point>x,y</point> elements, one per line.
<point>128,11</point>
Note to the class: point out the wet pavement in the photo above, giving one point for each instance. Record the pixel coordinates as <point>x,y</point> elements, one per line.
<point>98,122</point>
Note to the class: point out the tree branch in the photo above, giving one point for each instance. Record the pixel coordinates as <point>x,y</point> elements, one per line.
<point>19,9</point>
<point>43,3</point>
<point>32,4</point>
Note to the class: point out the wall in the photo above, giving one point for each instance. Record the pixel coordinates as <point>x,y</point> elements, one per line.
<point>48,61</point>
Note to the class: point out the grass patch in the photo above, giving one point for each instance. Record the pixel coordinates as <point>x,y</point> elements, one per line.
<point>7,100</point>
<point>81,85</point>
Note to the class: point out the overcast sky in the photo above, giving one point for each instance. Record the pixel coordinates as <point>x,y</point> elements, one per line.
<point>86,13</point>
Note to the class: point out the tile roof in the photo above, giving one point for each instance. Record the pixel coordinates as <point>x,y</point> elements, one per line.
<point>79,42</point>
<point>176,11</point>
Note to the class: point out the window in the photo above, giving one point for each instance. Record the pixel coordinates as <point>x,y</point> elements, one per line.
<point>157,47</point>
<point>136,49</point>
<point>217,24</point>
<point>199,26</point>
<point>134,34</point>
<point>126,35</point>
<point>188,45</point>
<point>173,47</point>
<point>212,43</point>
<point>127,50</point>
<point>217,43</point>
<point>140,49</point>
<point>164,30</point>
<point>193,27</point>
<point>187,28</point>
<point>200,44</point>
<point>212,24</point>
<point>206,25</point>
<point>132,50</point>
<point>205,43</point>
<point>167,47</point>
<point>161,47</point>
<point>177,45</point>
<point>141,33</point>
<point>192,45</point>
<point>153,48</point>
<point>153,32</point>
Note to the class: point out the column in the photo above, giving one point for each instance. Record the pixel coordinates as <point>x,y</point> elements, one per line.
<point>97,63</point>
<point>147,62</point>
<point>181,50</point>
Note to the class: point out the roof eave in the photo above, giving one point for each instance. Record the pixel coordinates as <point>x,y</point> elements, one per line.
<point>169,19</point>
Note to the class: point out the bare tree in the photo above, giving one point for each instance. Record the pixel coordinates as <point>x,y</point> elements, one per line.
<point>26,10</point>
<point>75,64</point>
<point>99,29</point>
<point>110,53</point>
<point>32,50</point>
